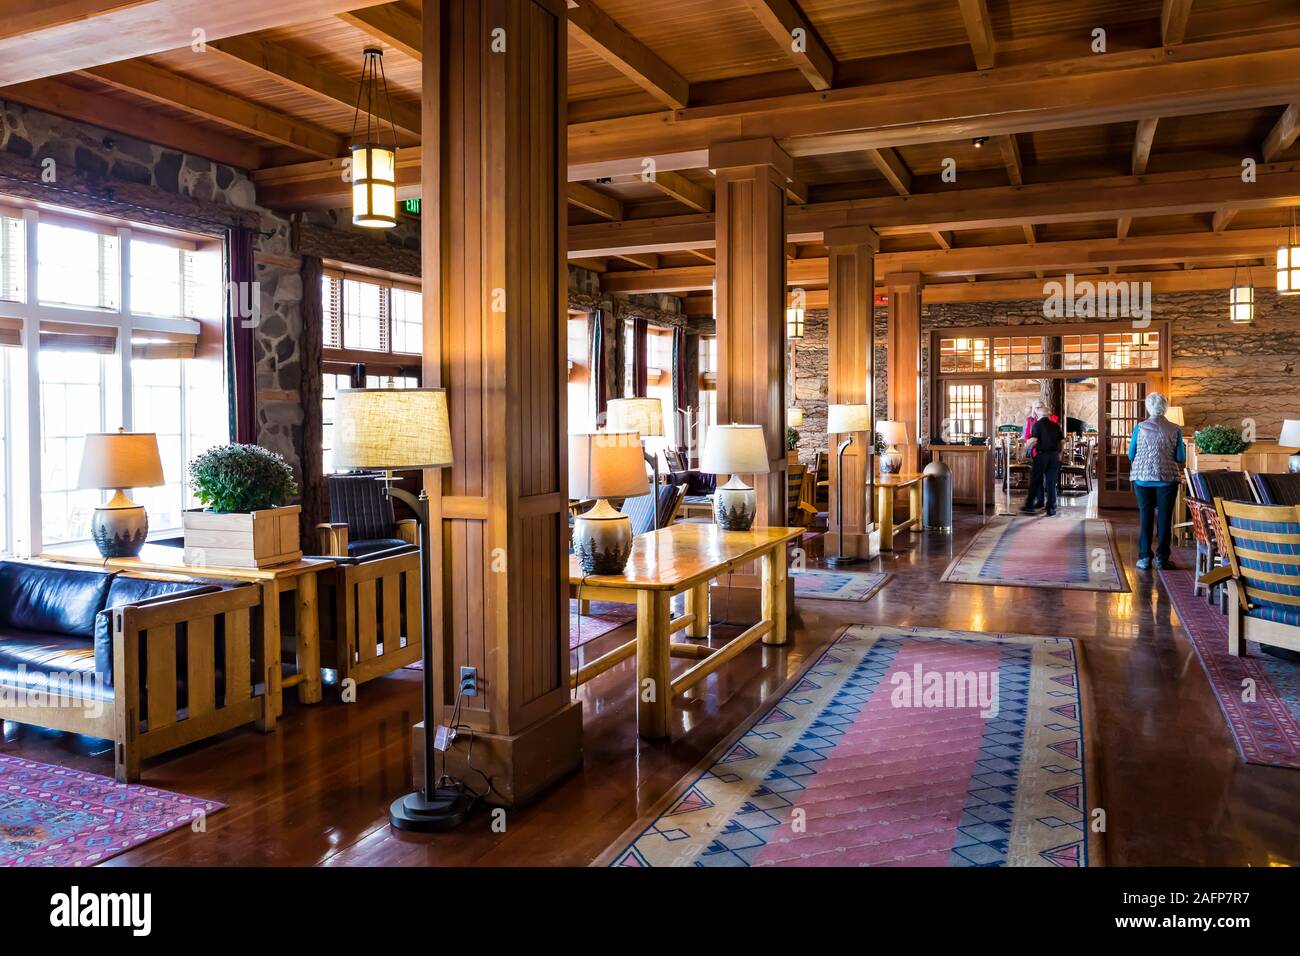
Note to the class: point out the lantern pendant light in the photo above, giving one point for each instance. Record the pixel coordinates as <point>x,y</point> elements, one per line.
<point>1288,263</point>
<point>374,161</point>
<point>794,324</point>
<point>1241,298</point>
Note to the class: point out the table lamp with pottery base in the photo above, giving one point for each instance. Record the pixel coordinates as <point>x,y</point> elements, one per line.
<point>892,434</point>
<point>605,465</point>
<point>396,429</point>
<point>117,461</point>
<point>844,420</point>
<point>735,450</point>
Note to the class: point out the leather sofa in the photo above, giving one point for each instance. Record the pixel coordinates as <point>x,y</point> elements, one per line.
<point>150,662</point>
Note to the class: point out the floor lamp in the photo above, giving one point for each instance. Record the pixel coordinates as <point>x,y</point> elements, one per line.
<point>396,429</point>
<point>646,417</point>
<point>844,420</point>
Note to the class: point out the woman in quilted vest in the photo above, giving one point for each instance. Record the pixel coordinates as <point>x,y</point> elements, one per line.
<point>1157,452</point>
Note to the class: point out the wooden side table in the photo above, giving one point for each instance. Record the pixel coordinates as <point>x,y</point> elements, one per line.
<point>297,578</point>
<point>885,486</point>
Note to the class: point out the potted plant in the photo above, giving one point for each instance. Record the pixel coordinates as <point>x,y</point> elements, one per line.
<point>245,521</point>
<point>1219,446</point>
<point>792,445</point>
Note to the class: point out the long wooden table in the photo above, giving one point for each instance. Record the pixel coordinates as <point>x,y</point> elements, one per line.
<point>298,578</point>
<point>683,558</point>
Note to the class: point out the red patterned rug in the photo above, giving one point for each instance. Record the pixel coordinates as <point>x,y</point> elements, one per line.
<point>905,746</point>
<point>1258,694</point>
<point>51,816</point>
<point>1073,554</point>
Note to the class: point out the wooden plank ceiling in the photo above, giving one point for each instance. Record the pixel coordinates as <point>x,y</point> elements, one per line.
<point>1125,162</point>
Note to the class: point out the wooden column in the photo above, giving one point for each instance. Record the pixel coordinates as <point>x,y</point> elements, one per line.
<point>750,216</point>
<point>495,302</point>
<point>850,368</point>
<point>903,339</point>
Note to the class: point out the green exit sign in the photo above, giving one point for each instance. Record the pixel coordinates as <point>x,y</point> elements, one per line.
<point>412,206</point>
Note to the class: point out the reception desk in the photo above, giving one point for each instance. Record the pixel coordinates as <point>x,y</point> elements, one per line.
<point>971,474</point>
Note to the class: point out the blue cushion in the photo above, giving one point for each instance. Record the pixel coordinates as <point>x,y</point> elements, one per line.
<point>126,590</point>
<point>1280,613</point>
<point>1278,489</point>
<point>51,663</point>
<point>52,599</point>
<point>362,549</point>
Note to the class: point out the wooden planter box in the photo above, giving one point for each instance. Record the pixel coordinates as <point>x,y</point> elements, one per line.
<point>1218,462</point>
<point>257,539</point>
<point>1261,457</point>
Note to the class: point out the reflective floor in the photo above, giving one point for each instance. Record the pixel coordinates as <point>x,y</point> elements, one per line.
<point>317,791</point>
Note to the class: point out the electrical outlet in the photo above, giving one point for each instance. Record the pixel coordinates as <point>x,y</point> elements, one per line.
<point>469,681</point>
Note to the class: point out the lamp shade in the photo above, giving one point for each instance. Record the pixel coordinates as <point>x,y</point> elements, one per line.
<point>794,324</point>
<point>794,417</point>
<point>735,450</point>
<point>391,428</point>
<point>642,415</point>
<point>374,185</point>
<point>607,465</point>
<point>843,419</point>
<point>1174,414</point>
<point>121,460</point>
<point>892,433</point>
<point>1290,437</point>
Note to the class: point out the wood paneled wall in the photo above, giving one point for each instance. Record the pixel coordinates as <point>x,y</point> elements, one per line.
<point>495,338</point>
<point>904,349</point>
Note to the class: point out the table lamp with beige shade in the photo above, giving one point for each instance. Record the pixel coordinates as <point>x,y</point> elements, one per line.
<point>735,450</point>
<point>1174,415</point>
<point>117,461</point>
<point>605,465</point>
<point>892,434</point>
<point>794,416</point>
<point>396,429</point>
<point>645,416</point>
<point>1290,438</point>
<point>844,420</point>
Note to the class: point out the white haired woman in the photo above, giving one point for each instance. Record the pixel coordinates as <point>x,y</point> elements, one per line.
<point>1157,453</point>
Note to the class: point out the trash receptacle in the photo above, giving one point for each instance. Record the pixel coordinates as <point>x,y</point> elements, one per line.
<point>936,500</point>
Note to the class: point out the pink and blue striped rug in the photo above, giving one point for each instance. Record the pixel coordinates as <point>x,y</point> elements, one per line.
<point>898,746</point>
<point>52,816</point>
<point>1074,554</point>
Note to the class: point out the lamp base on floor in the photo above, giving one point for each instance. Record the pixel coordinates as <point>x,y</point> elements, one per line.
<point>843,560</point>
<point>447,809</point>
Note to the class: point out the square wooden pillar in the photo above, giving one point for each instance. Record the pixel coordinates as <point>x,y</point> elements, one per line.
<point>494,263</point>
<point>903,340</point>
<point>750,216</point>
<point>850,365</point>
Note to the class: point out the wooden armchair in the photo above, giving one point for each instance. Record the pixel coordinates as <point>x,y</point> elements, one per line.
<point>1262,543</point>
<point>370,602</point>
<point>799,511</point>
<point>1203,488</point>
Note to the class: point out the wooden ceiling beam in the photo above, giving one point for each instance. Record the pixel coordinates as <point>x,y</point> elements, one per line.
<point>685,191</point>
<point>1009,146</point>
<point>979,27</point>
<point>974,261</point>
<point>1173,21</point>
<point>61,98</point>
<point>1283,134</point>
<point>1222,219</point>
<point>788,26</point>
<point>1146,134</point>
<point>390,24</point>
<point>594,201</point>
<point>893,168</point>
<point>285,66</point>
<point>201,100</point>
<point>596,29</point>
<point>38,40</point>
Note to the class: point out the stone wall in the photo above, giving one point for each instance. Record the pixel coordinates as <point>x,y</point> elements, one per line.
<point>1220,373</point>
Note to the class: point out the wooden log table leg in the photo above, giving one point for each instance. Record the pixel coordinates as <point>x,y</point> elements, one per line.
<point>697,605</point>
<point>914,505</point>
<point>885,515</point>
<point>309,691</point>
<point>774,594</point>
<point>653,656</point>
<point>271,636</point>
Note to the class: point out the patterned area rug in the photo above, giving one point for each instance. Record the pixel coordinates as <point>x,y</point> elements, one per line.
<point>862,764</point>
<point>838,585</point>
<point>1267,729</point>
<point>50,816</point>
<point>604,616</point>
<point>1076,554</point>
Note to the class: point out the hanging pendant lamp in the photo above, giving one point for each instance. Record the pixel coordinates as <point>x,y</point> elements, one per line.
<point>374,162</point>
<point>1288,263</point>
<point>1241,299</point>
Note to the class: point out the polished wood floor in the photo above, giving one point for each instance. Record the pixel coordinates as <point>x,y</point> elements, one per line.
<point>317,791</point>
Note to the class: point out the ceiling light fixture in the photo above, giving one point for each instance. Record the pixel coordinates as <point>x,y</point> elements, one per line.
<point>374,164</point>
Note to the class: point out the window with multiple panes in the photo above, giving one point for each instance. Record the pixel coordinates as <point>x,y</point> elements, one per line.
<point>581,394</point>
<point>659,380</point>
<point>373,338</point>
<point>114,313</point>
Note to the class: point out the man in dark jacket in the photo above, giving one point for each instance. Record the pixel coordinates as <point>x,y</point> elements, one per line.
<point>1045,444</point>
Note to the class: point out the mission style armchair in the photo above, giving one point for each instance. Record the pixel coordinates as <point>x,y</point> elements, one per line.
<point>1262,544</point>
<point>150,663</point>
<point>370,601</point>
